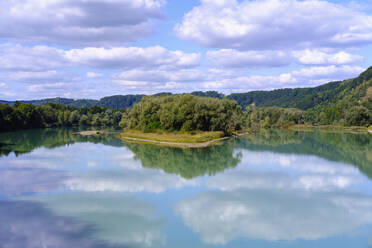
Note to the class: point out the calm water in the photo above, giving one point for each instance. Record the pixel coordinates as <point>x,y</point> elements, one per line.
<point>272,189</point>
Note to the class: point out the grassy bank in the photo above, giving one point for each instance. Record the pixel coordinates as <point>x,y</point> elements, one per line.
<point>330,128</point>
<point>191,138</point>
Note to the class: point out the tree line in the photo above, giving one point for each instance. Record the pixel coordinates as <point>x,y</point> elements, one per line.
<point>27,115</point>
<point>187,113</point>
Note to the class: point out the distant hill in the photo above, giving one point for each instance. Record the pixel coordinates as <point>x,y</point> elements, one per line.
<point>306,98</point>
<point>112,102</point>
<point>64,101</point>
<point>348,91</point>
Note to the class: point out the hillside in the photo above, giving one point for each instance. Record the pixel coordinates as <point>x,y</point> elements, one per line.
<point>306,98</point>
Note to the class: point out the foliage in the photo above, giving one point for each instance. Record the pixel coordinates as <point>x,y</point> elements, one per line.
<point>184,113</point>
<point>26,116</point>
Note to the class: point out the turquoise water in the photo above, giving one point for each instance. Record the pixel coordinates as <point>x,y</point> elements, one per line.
<point>271,189</point>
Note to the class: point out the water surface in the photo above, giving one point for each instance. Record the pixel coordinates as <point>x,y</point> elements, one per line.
<point>270,189</point>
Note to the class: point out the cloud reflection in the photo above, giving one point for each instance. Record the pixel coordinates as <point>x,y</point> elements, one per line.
<point>153,181</point>
<point>30,225</point>
<point>279,197</point>
<point>220,217</point>
<point>118,219</point>
<point>19,181</point>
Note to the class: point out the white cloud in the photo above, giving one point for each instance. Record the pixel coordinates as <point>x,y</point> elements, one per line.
<point>94,75</point>
<point>317,57</point>
<point>232,58</point>
<point>132,57</point>
<point>41,76</point>
<point>38,58</point>
<point>185,75</point>
<point>236,59</point>
<point>18,57</point>
<point>306,77</point>
<point>274,24</point>
<point>341,72</point>
<point>78,22</point>
<point>229,81</point>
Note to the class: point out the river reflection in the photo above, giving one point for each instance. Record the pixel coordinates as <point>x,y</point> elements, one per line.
<point>270,189</point>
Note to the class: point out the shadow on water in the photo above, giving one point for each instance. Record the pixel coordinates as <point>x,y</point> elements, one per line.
<point>29,225</point>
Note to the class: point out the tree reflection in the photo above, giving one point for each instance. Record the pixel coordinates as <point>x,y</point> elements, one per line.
<point>188,163</point>
<point>350,148</point>
<point>22,142</point>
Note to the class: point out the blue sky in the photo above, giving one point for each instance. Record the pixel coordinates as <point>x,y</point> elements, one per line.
<point>96,48</point>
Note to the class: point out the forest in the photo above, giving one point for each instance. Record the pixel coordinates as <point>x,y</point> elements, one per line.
<point>27,116</point>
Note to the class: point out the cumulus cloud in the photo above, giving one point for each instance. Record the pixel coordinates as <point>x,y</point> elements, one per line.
<point>37,58</point>
<point>229,80</point>
<point>186,75</point>
<point>237,59</point>
<point>41,76</point>
<point>79,22</point>
<point>317,57</point>
<point>91,74</point>
<point>22,58</point>
<point>132,57</point>
<point>273,24</point>
<point>306,77</point>
<point>232,58</point>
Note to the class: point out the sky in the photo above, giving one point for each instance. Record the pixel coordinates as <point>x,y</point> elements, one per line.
<point>95,48</point>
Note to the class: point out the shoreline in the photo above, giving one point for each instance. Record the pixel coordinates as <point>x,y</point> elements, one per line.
<point>89,133</point>
<point>180,144</point>
<point>330,128</point>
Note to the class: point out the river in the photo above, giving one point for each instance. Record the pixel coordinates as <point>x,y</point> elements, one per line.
<point>269,189</point>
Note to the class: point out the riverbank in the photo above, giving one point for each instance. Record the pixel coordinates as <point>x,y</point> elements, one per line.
<point>330,128</point>
<point>185,140</point>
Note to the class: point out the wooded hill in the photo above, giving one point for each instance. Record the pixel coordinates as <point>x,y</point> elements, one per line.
<point>354,90</point>
<point>349,91</point>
